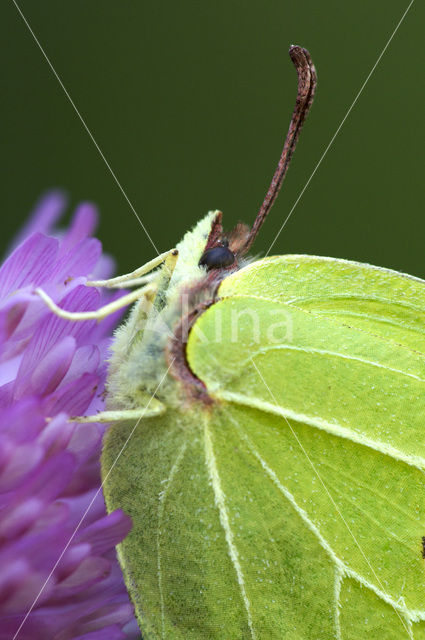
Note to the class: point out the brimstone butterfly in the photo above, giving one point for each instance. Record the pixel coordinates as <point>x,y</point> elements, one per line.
<point>269,441</point>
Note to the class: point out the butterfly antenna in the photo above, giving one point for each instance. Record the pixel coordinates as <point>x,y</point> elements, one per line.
<point>307,82</point>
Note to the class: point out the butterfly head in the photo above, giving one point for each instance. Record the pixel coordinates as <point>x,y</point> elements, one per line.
<point>218,257</point>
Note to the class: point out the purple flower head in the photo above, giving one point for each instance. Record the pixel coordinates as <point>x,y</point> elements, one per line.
<point>59,576</point>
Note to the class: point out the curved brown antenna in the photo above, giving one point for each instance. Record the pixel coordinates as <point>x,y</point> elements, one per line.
<point>307,82</point>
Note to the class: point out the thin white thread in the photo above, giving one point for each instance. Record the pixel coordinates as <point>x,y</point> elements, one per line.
<point>89,506</point>
<point>84,124</point>
<point>340,126</point>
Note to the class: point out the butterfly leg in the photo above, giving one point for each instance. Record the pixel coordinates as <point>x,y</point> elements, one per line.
<point>135,277</point>
<point>127,284</point>
<point>152,409</point>
<point>147,291</point>
<point>101,313</point>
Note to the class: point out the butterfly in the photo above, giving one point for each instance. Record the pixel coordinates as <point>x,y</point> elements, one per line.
<point>269,437</point>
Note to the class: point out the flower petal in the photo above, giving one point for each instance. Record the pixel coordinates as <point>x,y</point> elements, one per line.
<point>83,224</point>
<point>56,542</point>
<point>29,264</point>
<point>51,370</point>
<point>47,211</point>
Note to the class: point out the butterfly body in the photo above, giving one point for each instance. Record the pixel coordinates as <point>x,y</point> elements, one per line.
<point>139,353</point>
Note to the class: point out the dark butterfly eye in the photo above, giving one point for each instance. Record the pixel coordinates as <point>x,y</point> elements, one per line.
<point>217,258</point>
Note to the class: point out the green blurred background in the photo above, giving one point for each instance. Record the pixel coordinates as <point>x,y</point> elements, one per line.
<point>190,101</point>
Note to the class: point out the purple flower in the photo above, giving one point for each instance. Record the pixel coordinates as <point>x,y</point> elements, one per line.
<point>52,368</point>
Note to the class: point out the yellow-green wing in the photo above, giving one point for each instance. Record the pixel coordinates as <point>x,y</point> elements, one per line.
<point>330,416</point>
<point>293,507</point>
<point>361,295</point>
<point>175,560</point>
<point>213,553</point>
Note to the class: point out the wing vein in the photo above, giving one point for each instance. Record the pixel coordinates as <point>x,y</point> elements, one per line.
<point>325,352</point>
<point>411,614</point>
<point>330,427</point>
<point>220,500</point>
<point>339,575</point>
<point>316,472</point>
<point>288,495</point>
